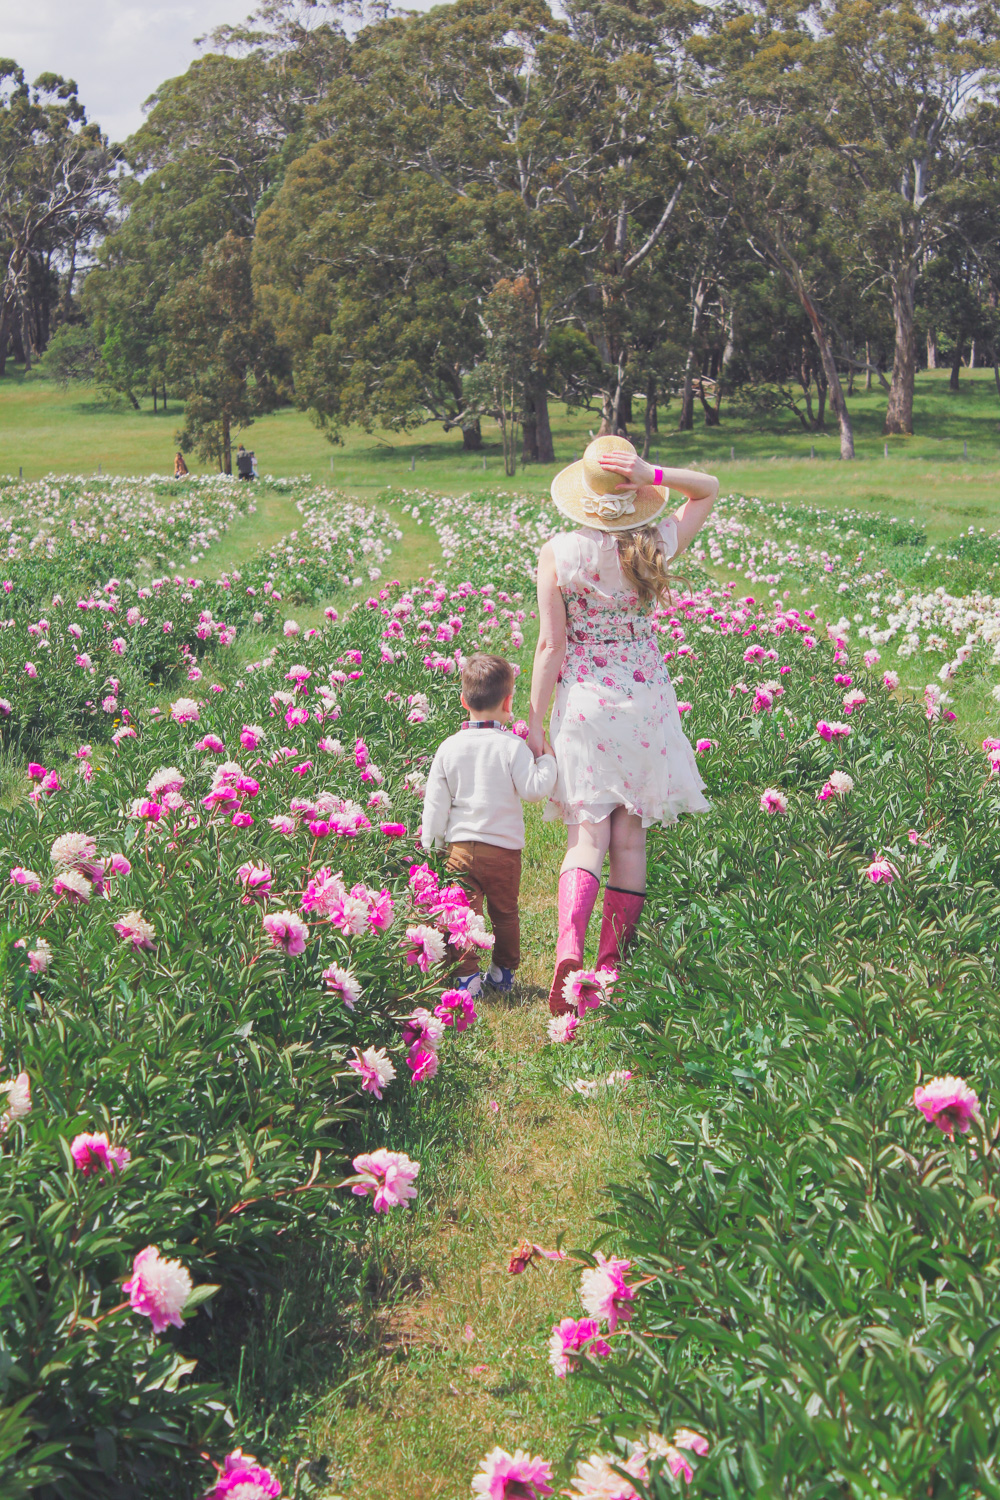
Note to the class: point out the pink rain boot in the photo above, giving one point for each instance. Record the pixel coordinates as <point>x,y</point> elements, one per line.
<point>577,894</point>
<point>622,910</point>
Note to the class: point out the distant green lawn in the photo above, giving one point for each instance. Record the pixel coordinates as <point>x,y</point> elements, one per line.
<point>46,430</point>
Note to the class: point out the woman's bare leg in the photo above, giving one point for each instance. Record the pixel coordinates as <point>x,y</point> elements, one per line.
<point>627,842</point>
<point>587,846</point>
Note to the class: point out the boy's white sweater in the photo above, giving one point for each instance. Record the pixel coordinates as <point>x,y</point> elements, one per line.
<point>475,787</point>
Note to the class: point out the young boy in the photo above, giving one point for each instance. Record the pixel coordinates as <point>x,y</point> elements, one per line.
<point>477,782</point>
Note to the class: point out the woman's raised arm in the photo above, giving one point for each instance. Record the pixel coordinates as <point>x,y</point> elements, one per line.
<point>550,650</point>
<point>702,490</point>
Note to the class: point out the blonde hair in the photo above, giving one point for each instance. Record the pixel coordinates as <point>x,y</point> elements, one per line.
<point>643,563</point>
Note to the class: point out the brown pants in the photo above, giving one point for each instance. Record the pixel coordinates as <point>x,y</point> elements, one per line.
<point>494,874</point>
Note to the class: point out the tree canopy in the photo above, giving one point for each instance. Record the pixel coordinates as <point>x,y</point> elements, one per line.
<point>471,211</point>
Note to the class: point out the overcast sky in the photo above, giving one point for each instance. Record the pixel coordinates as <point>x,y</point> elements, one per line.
<point>117,50</point>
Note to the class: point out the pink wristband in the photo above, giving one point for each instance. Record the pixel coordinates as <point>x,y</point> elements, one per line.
<point>657,476</point>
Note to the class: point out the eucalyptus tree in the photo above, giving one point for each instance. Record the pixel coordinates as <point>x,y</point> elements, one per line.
<point>901,78</point>
<point>764,116</point>
<point>56,173</point>
<point>201,166</point>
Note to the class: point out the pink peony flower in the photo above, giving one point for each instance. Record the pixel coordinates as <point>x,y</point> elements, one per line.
<point>185,711</point>
<point>562,1028</point>
<point>74,886</point>
<point>94,1154</point>
<point>948,1103</point>
<point>427,946</point>
<point>702,747</point>
<point>158,1289</point>
<point>833,731</point>
<point>20,876</point>
<point>917,838</point>
<point>133,928</point>
<point>211,742</point>
<point>604,1292</point>
<point>242,820</point>
<point>287,931</point>
<point>343,983</point>
<point>18,1091</point>
<point>393,830</point>
<point>890,681</point>
<point>423,885</point>
<point>517,1476</point>
<point>283,824</point>
<point>375,1069</point>
<point>772,801</point>
<point>255,880</point>
<point>149,811</point>
<point>387,1176</point>
<point>456,1008</point>
<point>853,700</point>
<point>571,1339</point>
<point>586,988</point>
<point>838,785</point>
<point>244,1479</point>
<point>880,871</point>
<point>600,1478</point>
<point>422,1063</point>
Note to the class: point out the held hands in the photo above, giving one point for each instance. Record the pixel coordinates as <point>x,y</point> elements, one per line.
<point>633,469</point>
<point>536,742</point>
<point>547,747</point>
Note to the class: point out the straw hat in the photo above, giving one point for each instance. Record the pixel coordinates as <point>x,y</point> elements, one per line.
<point>589,495</point>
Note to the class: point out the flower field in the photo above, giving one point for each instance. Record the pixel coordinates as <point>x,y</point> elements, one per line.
<point>225,973</point>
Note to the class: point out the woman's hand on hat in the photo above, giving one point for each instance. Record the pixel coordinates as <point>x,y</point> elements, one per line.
<point>633,469</point>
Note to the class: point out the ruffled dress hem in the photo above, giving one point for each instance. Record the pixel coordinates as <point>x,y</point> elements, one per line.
<point>676,806</point>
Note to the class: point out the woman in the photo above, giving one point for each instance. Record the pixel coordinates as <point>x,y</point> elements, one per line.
<point>624,761</point>
<point>180,467</point>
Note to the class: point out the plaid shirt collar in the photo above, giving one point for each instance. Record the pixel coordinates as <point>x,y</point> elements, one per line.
<point>484,724</point>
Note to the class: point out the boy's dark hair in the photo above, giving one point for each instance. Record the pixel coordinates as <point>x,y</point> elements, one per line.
<point>486,681</point>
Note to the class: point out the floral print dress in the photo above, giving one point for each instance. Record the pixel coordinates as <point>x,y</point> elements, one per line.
<point>614,727</point>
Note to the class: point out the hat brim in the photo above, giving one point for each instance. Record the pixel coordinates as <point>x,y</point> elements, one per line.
<point>650,501</point>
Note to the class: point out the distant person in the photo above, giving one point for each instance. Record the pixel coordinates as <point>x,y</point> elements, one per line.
<point>253,464</point>
<point>180,467</point>
<point>244,463</point>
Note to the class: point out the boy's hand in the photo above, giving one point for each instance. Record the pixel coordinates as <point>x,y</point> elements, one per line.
<point>546,746</point>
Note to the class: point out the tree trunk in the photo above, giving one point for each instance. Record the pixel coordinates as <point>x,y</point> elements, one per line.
<point>154,398</point>
<point>650,415</point>
<point>529,432</point>
<point>956,365</point>
<point>164,395</point>
<point>820,424</point>
<point>868,366</point>
<point>686,419</point>
<point>972,355</point>
<point>472,436</point>
<point>227,445</point>
<point>932,363</point>
<point>545,449</point>
<point>835,389</point>
<point>899,410</point>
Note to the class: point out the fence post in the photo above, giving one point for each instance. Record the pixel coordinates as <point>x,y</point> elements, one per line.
<point>413,463</point>
<point>812,450</point>
<point>732,455</point>
<point>885,450</point>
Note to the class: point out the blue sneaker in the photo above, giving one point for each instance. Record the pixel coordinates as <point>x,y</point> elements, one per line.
<point>500,979</point>
<point>470,984</point>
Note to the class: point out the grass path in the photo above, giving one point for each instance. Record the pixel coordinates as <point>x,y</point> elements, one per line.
<point>457,1360</point>
<point>460,1360</point>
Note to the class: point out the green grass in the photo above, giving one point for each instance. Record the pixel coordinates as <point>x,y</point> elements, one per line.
<point>46,430</point>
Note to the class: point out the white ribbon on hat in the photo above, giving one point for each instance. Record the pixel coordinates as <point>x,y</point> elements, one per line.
<point>607,507</point>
